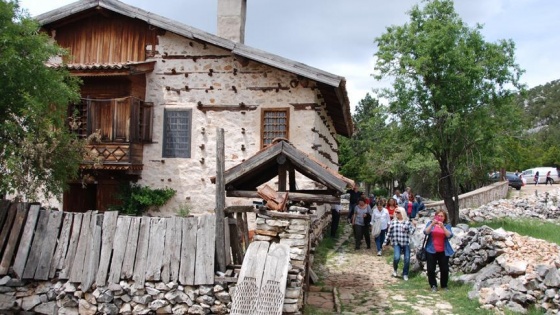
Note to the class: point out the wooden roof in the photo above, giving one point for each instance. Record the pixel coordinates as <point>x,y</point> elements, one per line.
<point>267,163</point>
<point>332,87</point>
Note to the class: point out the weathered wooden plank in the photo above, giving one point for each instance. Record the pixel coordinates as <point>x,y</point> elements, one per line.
<point>188,250</point>
<point>235,209</point>
<point>273,285</point>
<point>205,250</point>
<point>62,246</point>
<point>293,196</point>
<point>91,262</point>
<point>119,247</point>
<point>236,243</point>
<point>175,259</point>
<point>108,235</point>
<point>37,245</point>
<point>221,225</point>
<point>245,231</point>
<point>25,242</point>
<point>131,245</point>
<point>170,248</point>
<point>49,243</point>
<point>252,163</point>
<point>244,299</point>
<point>140,262</point>
<point>81,250</point>
<point>155,249</point>
<point>7,227</point>
<point>14,237</point>
<point>4,206</point>
<point>72,246</point>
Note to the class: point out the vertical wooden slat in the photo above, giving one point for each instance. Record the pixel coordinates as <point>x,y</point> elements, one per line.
<point>131,244</point>
<point>49,243</point>
<point>188,251</point>
<point>221,225</point>
<point>81,251</point>
<point>7,227</point>
<point>4,206</point>
<point>175,258</point>
<point>62,245</point>
<point>155,249</point>
<point>205,249</point>
<point>25,242</point>
<point>91,263</point>
<point>14,237</point>
<point>170,235</point>
<point>140,263</point>
<point>37,245</point>
<point>245,232</point>
<point>109,226</point>
<point>236,243</point>
<point>72,246</point>
<point>119,247</point>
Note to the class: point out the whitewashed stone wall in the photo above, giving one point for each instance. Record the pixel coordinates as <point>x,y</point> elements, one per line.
<point>166,88</point>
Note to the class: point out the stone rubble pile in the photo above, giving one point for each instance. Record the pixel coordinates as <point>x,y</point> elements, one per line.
<point>124,298</point>
<point>507,270</point>
<point>542,206</point>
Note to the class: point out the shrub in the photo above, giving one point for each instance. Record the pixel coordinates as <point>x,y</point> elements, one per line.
<point>136,199</point>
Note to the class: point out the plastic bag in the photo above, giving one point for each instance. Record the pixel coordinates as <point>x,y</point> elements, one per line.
<point>376,228</point>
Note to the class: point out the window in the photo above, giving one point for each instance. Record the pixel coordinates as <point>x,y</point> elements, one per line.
<point>275,124</point>
<point>177,133</point>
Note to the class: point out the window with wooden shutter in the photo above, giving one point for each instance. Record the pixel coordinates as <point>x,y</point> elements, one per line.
<point>177,133</point>
<point>275,124</point>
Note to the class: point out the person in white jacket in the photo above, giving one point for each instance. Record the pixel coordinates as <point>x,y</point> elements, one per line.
<point>380,216</point>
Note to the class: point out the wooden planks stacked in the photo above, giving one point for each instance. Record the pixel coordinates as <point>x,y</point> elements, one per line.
<point>104,248</point>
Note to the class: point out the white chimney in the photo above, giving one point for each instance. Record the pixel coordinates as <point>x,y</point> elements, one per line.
<point>231,19</point>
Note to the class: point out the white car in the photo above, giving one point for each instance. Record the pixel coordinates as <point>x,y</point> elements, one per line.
<point>529,175</point>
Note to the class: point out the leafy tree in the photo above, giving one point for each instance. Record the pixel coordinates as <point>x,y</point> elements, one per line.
<point>452,90</point>
<point>38,153</point>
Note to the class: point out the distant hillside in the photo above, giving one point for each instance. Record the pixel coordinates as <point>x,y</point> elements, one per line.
<point>542,104</point>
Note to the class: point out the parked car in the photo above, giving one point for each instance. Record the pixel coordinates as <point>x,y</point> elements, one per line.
<point>529,174</point>
<point>514,181</point>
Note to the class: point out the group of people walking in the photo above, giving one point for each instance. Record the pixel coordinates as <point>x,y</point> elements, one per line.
<point>393,222</point>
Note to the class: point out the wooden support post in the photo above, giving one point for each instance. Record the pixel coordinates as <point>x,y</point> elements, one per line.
<point>292,177</point>
<point>282,169</point>
<point>220,201</point>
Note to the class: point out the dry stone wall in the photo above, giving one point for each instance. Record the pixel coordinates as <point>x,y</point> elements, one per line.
<point>61,297</point>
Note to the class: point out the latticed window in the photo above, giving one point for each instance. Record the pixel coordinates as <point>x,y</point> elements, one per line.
<point>275,124</point>
<point>177,133</point>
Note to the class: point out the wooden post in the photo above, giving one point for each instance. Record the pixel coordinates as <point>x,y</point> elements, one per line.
<point>220,201</point>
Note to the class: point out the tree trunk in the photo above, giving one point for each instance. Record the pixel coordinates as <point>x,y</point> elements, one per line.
<point>449,192</point>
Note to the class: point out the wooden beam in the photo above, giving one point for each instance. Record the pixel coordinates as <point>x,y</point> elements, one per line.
<point>292,177</point>
<point>282,169</point>
<point>221,225</point>
<point>292,196</point>
<point>236,209</point>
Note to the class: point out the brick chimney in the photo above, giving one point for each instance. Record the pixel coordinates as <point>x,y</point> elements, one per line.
<point>231,19</point>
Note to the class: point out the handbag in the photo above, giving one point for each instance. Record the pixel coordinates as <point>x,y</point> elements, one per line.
<point>376,228</point>
<point>421,254</point>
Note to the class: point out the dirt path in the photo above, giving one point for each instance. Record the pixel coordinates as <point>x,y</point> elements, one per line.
<point>362,284</point>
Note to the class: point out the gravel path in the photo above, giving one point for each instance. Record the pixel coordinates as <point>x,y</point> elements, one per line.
<point>362,284</point>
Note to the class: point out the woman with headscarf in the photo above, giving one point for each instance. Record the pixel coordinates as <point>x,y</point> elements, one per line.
<point>399,233</point>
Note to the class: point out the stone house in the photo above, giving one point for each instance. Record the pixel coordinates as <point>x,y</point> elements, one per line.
<point>155,91</point>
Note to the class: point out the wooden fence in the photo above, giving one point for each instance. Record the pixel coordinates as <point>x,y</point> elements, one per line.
<point>104,248</point>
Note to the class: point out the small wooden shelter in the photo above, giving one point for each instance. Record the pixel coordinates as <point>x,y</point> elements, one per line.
<point>283,159</point>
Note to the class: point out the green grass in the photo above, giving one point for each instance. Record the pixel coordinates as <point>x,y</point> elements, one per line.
<point>544,230</point>
<point>312,310</point>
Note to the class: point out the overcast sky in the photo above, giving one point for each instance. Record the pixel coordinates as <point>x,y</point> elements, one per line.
<point>338,35</point>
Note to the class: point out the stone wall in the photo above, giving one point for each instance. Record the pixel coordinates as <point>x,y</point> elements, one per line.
<point>59,297</point>
<point>293,230</point>
<point>476,198</point>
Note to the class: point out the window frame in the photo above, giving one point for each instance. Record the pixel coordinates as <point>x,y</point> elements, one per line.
<point>174,153</point>
<point>264,111</point>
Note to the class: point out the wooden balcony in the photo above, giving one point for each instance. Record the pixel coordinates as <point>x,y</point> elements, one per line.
<point>116,130</point>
